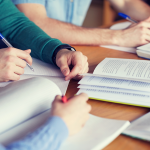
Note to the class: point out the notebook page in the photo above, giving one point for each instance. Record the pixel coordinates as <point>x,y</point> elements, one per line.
<point>87,139</point>
<point>30,97</point>
<point>42,68</point>
<point>124,68</point>
<point>140,127</point>
<point>117,83</point>
<point>119,97</point>
<point>82,86</point>
<point>59,81</point>
<point>145,47</point>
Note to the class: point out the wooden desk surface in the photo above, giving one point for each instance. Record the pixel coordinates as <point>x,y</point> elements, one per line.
<point>111,110</point>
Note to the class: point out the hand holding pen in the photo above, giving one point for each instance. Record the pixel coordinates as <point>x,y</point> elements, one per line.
<point>136,35</point>
<point>12,63</point>
<point>9,45</point>
<point>74,112</point>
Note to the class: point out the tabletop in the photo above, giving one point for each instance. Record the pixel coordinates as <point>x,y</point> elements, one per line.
<point>109,110</point>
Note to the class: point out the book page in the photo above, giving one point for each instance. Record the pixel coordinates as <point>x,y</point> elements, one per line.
<point>113,89</point>
<point>24,99</point>
<point>118,97</point>
<point>42,68</point>
<point>124,68</point>
<point>87,139</point>
<point>117,83</point>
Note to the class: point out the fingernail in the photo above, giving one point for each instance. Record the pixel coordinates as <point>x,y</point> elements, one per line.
<point>79,76</point>
<point>67,78</point>
<point>64,71</point>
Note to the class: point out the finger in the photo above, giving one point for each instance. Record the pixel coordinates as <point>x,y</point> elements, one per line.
<point>81,97</point>
<point>85,70</point>
<point>15,77</point>
<point>63,65</point>
<point>25,56</point>
<point>148,19</point>
<point>58,98</point>
<point>9,75</point>
<point>20,62</point>
<point>144,24</point>
<point>75,71</point>
<point>19,70</point>
<point>28,51</point>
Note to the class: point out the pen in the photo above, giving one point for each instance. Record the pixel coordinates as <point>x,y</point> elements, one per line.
<point>9,45</point>
<point>127,17</point>
<point>64,99</point>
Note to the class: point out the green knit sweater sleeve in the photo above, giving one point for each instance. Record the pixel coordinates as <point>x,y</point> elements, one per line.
<point>24,34</point>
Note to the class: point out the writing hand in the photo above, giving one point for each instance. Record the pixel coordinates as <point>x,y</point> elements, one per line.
<point>12,63</point>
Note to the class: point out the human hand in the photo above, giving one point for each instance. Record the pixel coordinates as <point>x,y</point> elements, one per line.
<point>74,113</point>
<point>65,58</point>
<point>12,63</point>
<point>136,35</point>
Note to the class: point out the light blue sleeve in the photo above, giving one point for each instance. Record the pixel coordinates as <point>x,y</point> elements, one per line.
<point>29,1</point>
<point>48,137</point>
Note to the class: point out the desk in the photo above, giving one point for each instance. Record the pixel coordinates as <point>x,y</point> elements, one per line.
<point>111,110</point>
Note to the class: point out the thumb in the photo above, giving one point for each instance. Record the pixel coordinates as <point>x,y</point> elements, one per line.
<point>57,98</point>
<point>28,51</point>
<point>148,19</point>
<point>63,65</point>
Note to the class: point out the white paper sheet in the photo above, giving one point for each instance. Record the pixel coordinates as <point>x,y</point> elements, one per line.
<point>145,47</point>
<point>95,135</point>
<point>140,128</point>
<point>24,99</point>
<point>42,68</point>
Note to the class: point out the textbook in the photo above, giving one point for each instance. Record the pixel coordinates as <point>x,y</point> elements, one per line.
<point>125,81</point>
<point>139,128</point>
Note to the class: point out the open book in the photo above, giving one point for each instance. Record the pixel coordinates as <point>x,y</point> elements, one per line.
<point>140,128</point>
<point>117,80</point>
<point>26,108</point>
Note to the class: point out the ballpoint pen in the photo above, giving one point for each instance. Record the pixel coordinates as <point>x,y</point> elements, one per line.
<point>127,17</point>
<point>9,45</point>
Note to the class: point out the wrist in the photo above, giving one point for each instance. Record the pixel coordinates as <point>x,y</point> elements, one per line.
<point>61,49</point>
<point>117,38</point>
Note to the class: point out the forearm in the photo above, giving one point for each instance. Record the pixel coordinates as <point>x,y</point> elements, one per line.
<point>136,9</point>
<point>24,34</point>
<point>48,137</point>
<point>75,35</point>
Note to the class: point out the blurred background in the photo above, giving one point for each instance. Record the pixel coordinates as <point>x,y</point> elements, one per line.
<point>101,13</point>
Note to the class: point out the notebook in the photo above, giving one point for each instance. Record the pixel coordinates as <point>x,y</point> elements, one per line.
<point>24,99</point>
<point>125,81</point>
<point>139,128</point>
<point>95,135</point>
